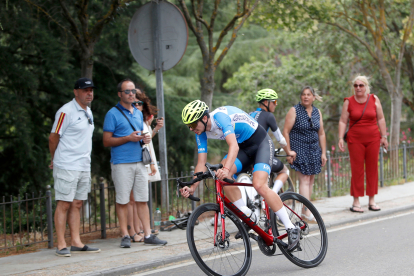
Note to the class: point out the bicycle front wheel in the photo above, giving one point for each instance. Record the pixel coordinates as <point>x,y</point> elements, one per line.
<point>313,244</point>
<point>215,254</point>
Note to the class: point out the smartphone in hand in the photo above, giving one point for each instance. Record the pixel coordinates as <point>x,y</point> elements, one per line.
<point>385,150</point>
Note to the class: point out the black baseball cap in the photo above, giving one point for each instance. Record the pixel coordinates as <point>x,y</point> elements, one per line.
<point>83,83</point>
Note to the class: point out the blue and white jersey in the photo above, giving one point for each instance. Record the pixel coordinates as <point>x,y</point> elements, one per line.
<point>226,120</point>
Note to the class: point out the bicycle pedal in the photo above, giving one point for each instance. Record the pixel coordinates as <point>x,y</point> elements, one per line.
<point>238,236</point>
<point>298,248</point>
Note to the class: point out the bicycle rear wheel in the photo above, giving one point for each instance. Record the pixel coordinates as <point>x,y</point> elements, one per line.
<point>314,239</point>
<point>229,256</point>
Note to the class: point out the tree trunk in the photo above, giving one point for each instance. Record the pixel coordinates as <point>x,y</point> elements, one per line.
<point>87,62</point>
<point>396,102</point>
<point>207,85</point>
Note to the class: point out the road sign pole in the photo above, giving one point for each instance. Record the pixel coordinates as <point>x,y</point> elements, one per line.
<point>162,135</point>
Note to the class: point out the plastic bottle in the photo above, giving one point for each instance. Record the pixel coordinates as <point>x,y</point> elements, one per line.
<point>157,219</point>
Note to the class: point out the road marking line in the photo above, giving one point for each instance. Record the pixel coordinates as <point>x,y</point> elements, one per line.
<point>256,247</point>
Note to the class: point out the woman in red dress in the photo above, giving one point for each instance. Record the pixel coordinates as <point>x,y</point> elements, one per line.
<point>364,140</point>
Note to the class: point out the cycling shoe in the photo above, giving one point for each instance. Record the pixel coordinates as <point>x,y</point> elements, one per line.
<point>293,238</point>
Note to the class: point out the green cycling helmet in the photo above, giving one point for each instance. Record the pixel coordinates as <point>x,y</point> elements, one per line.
<point>194,111</point>
<point>266,94</point>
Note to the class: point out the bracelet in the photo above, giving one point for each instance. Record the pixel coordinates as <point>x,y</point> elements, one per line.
<point>384,136</point>
<point>225,168</point>
<point>341,138</point>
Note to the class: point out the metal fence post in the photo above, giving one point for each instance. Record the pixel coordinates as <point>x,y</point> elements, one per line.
<point>195,193</point>
<point>102,207</point>
<point>49,216</point>
<point>150,204</point>
<point>381,166</point>
<point>328,156</point>
<point>405,160</point>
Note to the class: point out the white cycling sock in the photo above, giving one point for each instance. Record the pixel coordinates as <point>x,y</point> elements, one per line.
<point>278,184</point>
<point>284,217</point>
<point>147,237</point>
<point>239,203</point>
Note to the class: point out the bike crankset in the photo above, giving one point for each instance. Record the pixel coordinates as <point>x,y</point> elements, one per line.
<point>267,250</point>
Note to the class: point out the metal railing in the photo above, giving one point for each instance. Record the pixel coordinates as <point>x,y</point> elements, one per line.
<point>26,221</point>
<point>29,220</point>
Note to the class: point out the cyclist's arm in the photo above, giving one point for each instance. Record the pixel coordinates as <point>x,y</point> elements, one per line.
<point>271,122</point>
<point>280,138</point>
<point>233,150</point>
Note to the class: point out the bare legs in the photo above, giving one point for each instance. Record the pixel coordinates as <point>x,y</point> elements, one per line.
<point>305,188</point>
<point>69,211</point>
<point>134,223</point>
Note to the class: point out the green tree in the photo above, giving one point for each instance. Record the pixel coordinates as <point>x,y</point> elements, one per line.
<point>382,27</point>
<point>204,30</point>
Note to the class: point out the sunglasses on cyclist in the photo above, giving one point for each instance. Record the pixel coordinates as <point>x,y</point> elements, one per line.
<point>138,103</point>
<point>127,91</point>
<point>360,85</point>
<point>193,125</point>
<point>273,101</point>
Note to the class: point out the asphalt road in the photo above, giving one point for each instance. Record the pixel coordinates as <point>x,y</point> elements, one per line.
<point>379,247</point>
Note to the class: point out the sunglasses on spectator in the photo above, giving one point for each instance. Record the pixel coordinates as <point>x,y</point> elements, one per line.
<point>133,91</point>
<point>311,123</point>
<point>360,85</point>
<point>193,125</point>
<point>138,103</point>
<point>89,118</point>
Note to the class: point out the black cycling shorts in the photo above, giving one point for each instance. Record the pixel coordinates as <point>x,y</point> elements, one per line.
<point>258,151</point>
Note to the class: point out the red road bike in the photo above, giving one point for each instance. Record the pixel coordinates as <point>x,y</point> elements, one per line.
<point>225,247</point>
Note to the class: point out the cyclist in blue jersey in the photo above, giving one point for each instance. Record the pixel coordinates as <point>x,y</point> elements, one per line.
<point>248,144</point>
<point>267,100</point>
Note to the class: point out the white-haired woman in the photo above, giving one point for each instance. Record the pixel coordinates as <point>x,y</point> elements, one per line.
<point>306,140</point>
<point>364,140</point>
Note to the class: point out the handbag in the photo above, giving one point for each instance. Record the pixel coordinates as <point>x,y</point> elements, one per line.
<point>346,132</point>
<point>146,156</point>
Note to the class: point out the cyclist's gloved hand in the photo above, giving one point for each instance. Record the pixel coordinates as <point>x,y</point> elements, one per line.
<point>187,191</point>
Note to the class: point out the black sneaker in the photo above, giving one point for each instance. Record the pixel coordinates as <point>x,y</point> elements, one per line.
<point>154,240</point>
<point>293,238</point>
<point>238,235</point>
<point>126,241</point>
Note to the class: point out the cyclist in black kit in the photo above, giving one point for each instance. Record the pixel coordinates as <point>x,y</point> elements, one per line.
<point>267,99</point>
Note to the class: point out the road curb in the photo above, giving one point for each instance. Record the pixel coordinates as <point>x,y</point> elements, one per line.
<point>370,215</point>
<point>136,268</point>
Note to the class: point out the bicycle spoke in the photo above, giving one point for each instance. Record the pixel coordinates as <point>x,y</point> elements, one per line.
<point>228,256</point>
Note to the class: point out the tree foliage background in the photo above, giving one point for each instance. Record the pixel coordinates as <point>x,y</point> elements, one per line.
<point>41,60</point>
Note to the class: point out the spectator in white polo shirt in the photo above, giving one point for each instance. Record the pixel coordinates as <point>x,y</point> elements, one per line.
<point>70,145</point>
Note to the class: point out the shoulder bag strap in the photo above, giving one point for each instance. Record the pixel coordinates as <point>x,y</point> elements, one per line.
<point>142,143</point>
<point>369,96</point>
<point>126,118</point>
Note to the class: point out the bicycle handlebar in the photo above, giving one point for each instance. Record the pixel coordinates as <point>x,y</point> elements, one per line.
<point>202,175</point>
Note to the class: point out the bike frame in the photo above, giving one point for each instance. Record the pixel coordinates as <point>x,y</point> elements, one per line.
<point>224,201</point>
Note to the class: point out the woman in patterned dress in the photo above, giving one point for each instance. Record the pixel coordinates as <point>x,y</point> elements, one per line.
<point>305,137</point>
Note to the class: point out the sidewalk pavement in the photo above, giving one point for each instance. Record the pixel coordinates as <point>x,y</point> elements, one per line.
<point>114,260</point>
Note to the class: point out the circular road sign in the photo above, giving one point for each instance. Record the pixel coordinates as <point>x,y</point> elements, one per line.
<point>174,35</point>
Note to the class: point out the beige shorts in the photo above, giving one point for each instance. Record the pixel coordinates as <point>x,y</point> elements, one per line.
<point>129,177</point>
<point>70,185</point>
